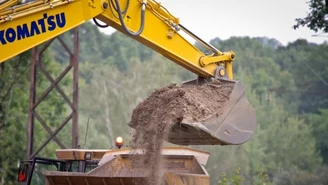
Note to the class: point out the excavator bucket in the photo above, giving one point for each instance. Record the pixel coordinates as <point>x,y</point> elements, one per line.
<point>233,125</point>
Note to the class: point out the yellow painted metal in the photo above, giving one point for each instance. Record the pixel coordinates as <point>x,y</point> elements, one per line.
<point>155,35</point>
<point>161,11</point>
<point>227,58</point>
<point>8,4</point>
<point>26,23</point>
<point>222,72</point>
<point>20,8</point>
<point>161,30</point>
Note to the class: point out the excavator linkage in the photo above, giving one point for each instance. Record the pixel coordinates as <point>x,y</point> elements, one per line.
<point>234,125</point>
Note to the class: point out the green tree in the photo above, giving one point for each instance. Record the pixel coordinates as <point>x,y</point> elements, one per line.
<point>317,19</point>
<point>234,180</point>
<point>320,131</point>
<point>282,140</point>
<point>117,73</point>
<point>14,96</point>
<point>109,100</point>
<point>304,61</point>
<point>300,177</point>
<point>13,116</point>
<point>276,145</point>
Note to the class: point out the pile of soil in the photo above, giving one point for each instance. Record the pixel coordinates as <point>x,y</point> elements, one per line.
<point>153,117</point>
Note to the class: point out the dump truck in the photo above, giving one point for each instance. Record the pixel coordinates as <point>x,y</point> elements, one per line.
<point>181,165</point>
<point>26,24</point>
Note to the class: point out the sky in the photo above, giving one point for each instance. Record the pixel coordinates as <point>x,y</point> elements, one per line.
<point>209,19</point>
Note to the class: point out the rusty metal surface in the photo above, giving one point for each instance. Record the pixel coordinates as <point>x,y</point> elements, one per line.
<point>186,179</point>
<point>45,126</point>
<point>126,166</point>
<point>169,179</point>
<point>75,61</point>
<point>30,122</point>
<point>235,125</point>
<point>51,136</point>
<point>36,64</point>
<point>82,179</point>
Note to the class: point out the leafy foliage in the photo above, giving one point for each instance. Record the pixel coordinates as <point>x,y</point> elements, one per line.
<point>317,19</point>
<point>305,62</point>
<point>320,131</point>
<point>12,120</point>
<point>14,93</point>
<point>285,84</point>
<point>235,179</point>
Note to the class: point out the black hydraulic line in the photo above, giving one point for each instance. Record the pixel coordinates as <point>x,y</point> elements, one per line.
<point>207,45</point>
<point>99,25</point>
<point>142,24</point>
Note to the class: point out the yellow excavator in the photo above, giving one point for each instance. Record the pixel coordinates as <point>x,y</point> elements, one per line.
<point>25,24</point>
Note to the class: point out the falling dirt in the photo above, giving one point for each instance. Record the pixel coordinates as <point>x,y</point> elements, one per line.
<point>153,117</point>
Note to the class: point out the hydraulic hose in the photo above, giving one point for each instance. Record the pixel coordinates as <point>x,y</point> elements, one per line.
<point>142,24</point>
<point>3,1</point>
<point>125,9</point>
<point>99,25</point>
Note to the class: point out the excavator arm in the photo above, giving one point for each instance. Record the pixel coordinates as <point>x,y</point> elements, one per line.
<point>24,25</point>
<point>27,25</point>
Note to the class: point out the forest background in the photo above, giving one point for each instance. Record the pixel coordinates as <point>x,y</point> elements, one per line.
<point>287,85</point>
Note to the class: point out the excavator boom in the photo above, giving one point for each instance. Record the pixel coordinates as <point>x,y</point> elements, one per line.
<point>24,25</point>
<point>28,25</point>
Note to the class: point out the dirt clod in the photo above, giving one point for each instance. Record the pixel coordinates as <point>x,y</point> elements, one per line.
<point>153,117</point>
